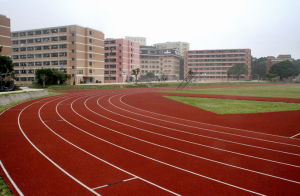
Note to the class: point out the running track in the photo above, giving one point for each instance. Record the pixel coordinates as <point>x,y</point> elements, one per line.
<point>136,142</point>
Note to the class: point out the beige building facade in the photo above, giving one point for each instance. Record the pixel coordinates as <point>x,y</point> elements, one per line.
<point>5,40</point>
<point>214,64</point>
<point>76,50</point>
<point>141,40</point>
<point>163,63</point>
<point>181,47</point>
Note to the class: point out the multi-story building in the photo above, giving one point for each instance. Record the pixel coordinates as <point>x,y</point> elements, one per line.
<point>121,57</point>
<point>164,63</point>
<point>271,60</point>
<point>181,47</point>
<point>76,50</point>
<point>5,40</point>
<point>213,64</point>
<point>140,40</point>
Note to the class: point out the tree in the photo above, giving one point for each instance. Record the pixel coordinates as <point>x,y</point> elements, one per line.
<point>50,76</point>
<point>149,76</point>
<point>6,72</point>
<point>284,69</point>
<point>237,70</point>
<point>135,72</point>
<point>259,69</point>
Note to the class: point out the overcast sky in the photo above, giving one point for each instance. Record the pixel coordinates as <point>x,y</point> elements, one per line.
<point>267,27</point>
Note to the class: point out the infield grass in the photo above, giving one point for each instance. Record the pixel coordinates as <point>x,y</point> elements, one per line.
<point>283,91</point>
<point>230,106</point>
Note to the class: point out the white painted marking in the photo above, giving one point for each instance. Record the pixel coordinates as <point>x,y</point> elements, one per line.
<point>121,181</point>
<point>175,138</point>
<point>210,130</point>
<point>67,141</point>
<point>44,155</point>
<point>295,136</point>
<point>150,158</point>
<point>172,149</point>
<point>199,122</point>
<point>199,135</point>
<point>10,179</point>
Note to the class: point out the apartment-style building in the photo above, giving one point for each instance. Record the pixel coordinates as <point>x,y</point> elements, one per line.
<point>76,50</point>
<point>163,63</point>
<point>214,64</point>
<point>5,40</point>
<point>121,57</point>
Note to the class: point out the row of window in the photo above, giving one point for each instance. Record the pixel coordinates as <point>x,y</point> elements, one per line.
<point>44,55</point>
<point>214,51</point>
<point>208,73</point>
<point>205,60</point>
<point>210,68</point>
<point>110,72</point>
<point>210,64</point>
<point>39,40</point>
<point>110,66</point>
<point>24,79</point>
<point>39,32</point>
<point>109,78</point>
<point>40,63</point>
<point>223,55</point>
<point>45,47</point>
<point>150,66</point>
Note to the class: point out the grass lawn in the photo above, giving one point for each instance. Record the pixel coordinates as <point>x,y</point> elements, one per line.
<point>230,106</point>
<point>4,189</point>
<point>284,91</point>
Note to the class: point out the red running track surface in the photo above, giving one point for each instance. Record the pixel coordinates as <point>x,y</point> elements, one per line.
<point>136,142</point>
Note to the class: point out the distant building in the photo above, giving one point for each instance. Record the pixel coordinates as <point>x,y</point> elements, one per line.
<point>180,46</point>
<point>271,60</point>
<point>5,39</point>
<point>76,50</point>
<point>121,57</point>
<point>140,40</point>
<point>213,64</point>
<point>164,63</point>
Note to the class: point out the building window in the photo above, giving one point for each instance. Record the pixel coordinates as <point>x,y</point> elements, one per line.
<point>28,48</point>
<point>15,42</point>
<point>38,40</point>
<point>46,47</point>
<point>90,71</point>
<point>30,33</point>
<point>62,38</point>
<point>90,48</point>
<point>38,32</point>
<point>15,49</point>
<point>54,30</point>
<point>23,41</point>
<point>15,56</point>
<point>38,63</point>
<point>54,38</point>
<point>90,55</point>
<point>15,34</point>
<point>54,47</point>
<point>91,32</point>
<point>54,62</point>
<point>23,34</point>
<point>62,54</point>
<point>63,46</point>
<point>90,40</point>
<point>46,63</point>
<point>38,55</point>
<point>30,41</point>
<point>46,55</point>
<point>38,48</point>
<point>63,29</point>
<point>46,39</point>
<point>90,63</point>
<point>22,56</point>
<point>46,31</point>
<point>54,54</point>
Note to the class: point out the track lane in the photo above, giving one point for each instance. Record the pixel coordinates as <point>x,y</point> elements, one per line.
<point>164,174</point>
<point>89,117</point>
<point>129,101</point>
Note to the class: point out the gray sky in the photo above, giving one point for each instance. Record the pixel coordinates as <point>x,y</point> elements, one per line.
<point>268,27</point>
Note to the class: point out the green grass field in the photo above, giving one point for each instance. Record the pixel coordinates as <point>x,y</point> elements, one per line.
<point>230,106</point>
<point>284,91</point>
<point>4,189</point>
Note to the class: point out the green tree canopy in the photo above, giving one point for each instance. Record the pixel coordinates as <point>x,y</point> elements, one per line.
<point>284,69</point>
<point>6,72</point>
<point>259,67</point>
<point>148,76</point>
<point>50,76</point>
<point>237,70</point>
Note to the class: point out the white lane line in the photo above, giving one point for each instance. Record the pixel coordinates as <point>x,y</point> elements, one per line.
<point>210,137</point>
<point>172,149</point>
<point>175,138</point>
<point>150,158</point>
<point>49,159</point>
<point>92,155</point>
<point>118,182</point>
<point>10,179</point>
<point>295,136</point>
<point>198,122</point>
<point>205,129</point>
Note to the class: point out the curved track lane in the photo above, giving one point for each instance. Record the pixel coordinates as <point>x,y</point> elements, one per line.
<point>104,143</point>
